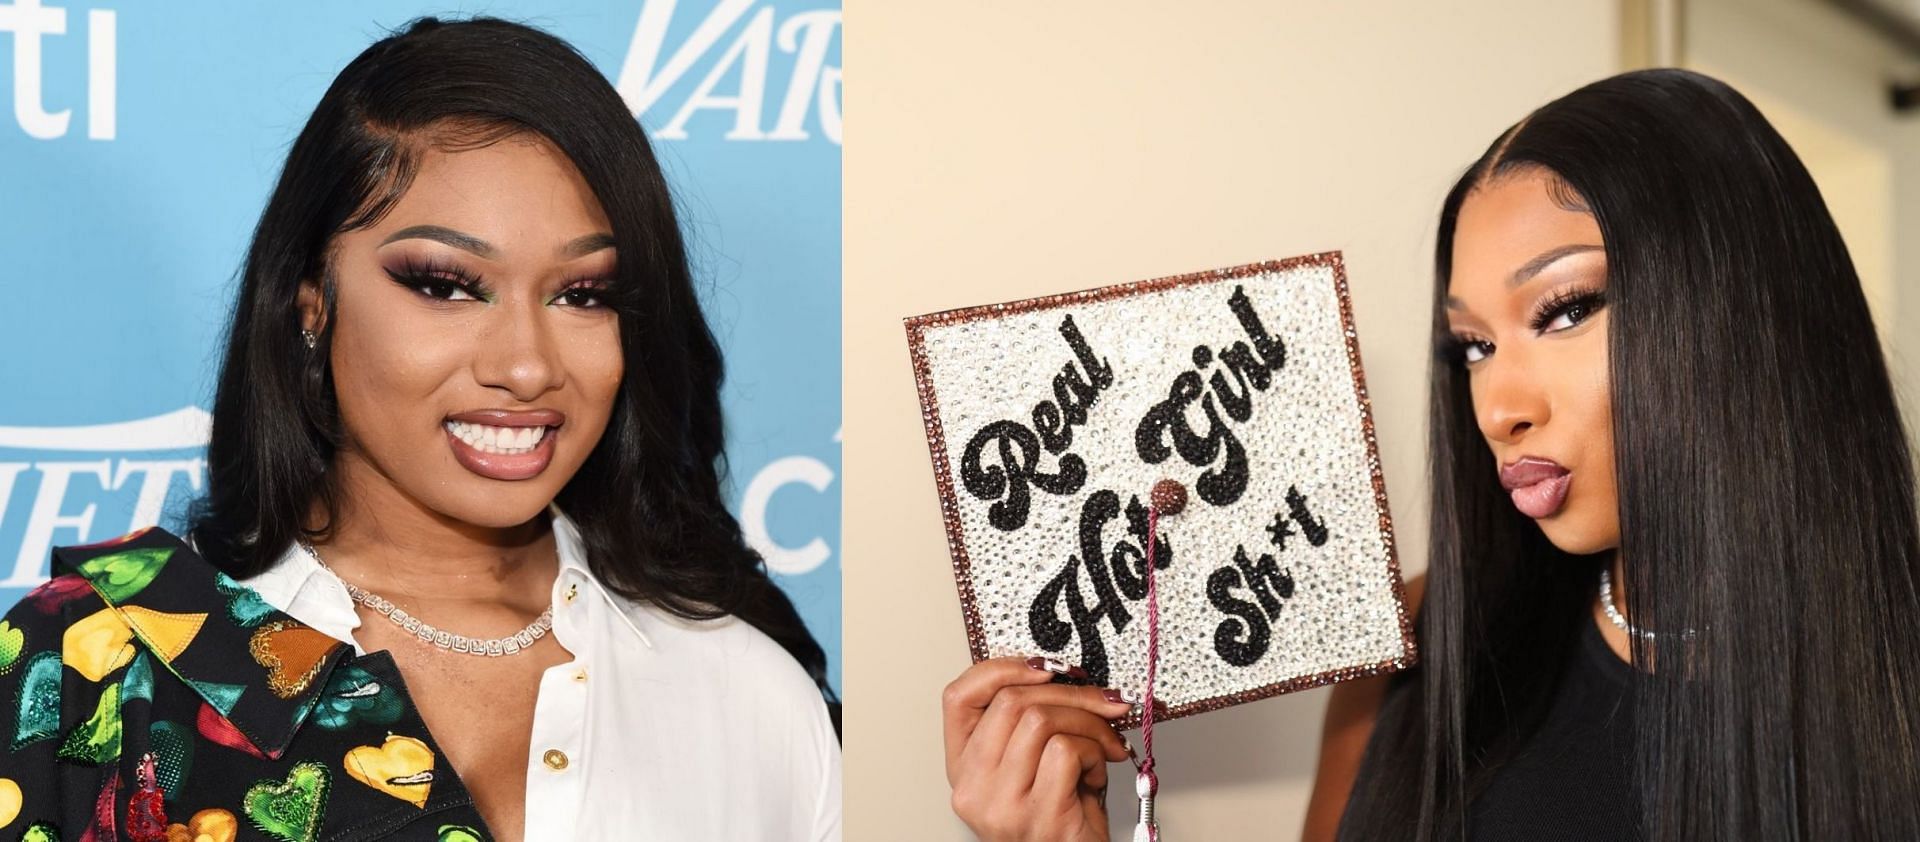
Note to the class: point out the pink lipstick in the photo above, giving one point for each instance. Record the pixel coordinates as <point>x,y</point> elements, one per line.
<point>1538,485</point>
<point>504,444</point>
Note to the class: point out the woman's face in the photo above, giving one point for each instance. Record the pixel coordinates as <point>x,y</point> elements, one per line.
<point>1526,304</point>
<point>474,363</point>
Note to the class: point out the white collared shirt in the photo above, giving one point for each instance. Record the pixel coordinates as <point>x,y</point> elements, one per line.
<point>680,730</point>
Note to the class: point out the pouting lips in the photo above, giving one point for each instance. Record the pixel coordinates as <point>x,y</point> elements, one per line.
<point>1528,470</point>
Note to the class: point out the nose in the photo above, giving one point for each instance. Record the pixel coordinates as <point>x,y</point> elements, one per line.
<point>1508,402</point>
<point>518,352</point>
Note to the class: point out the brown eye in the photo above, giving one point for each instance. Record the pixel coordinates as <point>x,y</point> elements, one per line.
<point>443,290</point>
<point>1567,309</point>
<point>1573,314</point>
<point>585,296</point>
<point>439,282</point>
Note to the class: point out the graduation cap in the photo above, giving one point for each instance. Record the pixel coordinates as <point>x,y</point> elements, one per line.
<point>1217,422</point>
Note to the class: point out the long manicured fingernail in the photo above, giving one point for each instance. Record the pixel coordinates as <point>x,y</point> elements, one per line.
<point>1129,747</point>
<point>1119,698</point>
<point>1056,667</point>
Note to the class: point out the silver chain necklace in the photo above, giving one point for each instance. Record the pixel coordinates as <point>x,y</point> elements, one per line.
<point>1606,602</point>
<point>448,641</point>
<point>1619,621</point>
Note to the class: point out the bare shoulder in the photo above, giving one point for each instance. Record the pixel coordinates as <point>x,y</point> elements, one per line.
<point>1351,709</point>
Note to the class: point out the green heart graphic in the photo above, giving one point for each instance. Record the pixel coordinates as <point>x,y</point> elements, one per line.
<point>244,605</point>
<point>96,742</point>
<point>119,576</point>
<point>38,705</point>
<point>40,832</point>
<point>459,833</point>
<point>292,810</point>
<point>12,643</point>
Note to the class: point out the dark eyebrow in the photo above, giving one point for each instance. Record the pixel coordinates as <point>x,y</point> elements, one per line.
<point>467,242</point>
<point>1534,267</point>
<point>463,242</point>
<point>587,245</point>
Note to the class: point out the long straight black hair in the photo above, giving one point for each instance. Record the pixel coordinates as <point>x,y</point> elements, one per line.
<point>647,500</point>
<point>1765,494</point>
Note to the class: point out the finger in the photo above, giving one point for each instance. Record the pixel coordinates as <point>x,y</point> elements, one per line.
<point>1040,723</point>
<point>988,742</point>
<point>1070,766</point>
<point>1093,805</point>
<point>967,698</point>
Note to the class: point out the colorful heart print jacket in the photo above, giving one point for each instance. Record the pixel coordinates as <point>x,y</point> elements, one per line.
<point>145,695</point>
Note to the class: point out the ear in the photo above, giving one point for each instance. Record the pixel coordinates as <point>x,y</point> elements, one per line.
<point>312,310</point>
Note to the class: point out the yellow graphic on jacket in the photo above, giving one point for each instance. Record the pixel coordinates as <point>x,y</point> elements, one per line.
<point>206,826</point>
<point>402,767</point>
<point>166,634</point>
<point>10,801</point>
<point>98,644</point>
<point>13,642</point>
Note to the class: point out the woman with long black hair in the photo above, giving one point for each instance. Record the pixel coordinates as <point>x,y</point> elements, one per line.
<point>463,569</point>
<point>1672,575</point>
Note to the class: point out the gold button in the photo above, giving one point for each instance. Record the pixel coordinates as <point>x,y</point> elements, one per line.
<point>555,759</point>
<point>572,591</point>
<point>580,675</point>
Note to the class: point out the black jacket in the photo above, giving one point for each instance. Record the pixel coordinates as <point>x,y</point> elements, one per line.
<point>144,689</point>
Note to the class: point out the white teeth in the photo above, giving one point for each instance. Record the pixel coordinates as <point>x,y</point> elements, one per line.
<point>502,440</point>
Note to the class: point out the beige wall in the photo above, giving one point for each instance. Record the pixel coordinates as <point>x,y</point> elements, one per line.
<point>1819,75</point>
<point>999,150</point>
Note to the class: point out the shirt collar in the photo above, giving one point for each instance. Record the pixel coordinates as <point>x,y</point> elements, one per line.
<point>573,562</point>
<point>258,667</point>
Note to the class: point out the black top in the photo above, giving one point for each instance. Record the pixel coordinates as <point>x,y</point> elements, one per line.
<point>147,696</point>
<point>1574,779</point>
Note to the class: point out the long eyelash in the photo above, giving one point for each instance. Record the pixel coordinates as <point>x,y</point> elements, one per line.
<point>418,274</point>
<point>1565,300</point>
<point>599,287</point>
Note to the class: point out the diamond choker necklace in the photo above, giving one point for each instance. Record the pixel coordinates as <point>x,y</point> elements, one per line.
<point>448,641</point>
<point>1619,621</point>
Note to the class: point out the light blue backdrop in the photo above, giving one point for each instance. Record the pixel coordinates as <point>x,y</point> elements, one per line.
<point>137,149</point>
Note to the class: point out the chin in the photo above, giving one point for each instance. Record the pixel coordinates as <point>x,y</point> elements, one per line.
<point>1576,537</point>
<point>498,511</point>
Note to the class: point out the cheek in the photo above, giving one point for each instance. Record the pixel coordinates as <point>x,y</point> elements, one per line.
<point>387,368</point>
<point>1590,397</point>
<point>597,364</point>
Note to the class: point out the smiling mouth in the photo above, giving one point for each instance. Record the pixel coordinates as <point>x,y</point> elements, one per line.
<point>502,441</point>
<point>501,453</point>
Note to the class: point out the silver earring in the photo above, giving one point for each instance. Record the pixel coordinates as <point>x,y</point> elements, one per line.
<point>310,337</point>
